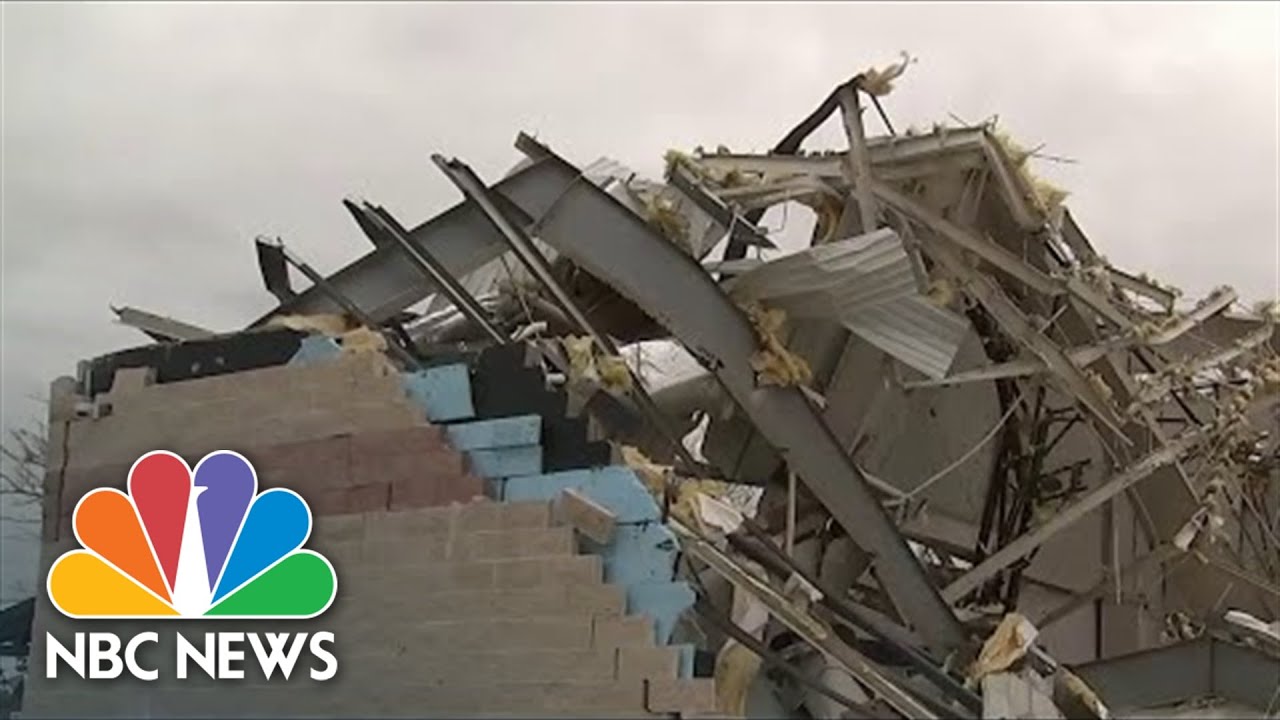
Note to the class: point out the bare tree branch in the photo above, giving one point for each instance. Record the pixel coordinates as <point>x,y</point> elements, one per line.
<point>22,464</point>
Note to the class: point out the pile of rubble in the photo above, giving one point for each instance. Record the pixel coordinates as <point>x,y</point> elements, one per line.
<point>893,469</point>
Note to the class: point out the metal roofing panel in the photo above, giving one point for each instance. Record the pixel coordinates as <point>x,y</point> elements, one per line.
<point>867,285</point>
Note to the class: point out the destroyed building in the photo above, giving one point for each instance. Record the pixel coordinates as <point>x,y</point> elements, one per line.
<point>587,444</point>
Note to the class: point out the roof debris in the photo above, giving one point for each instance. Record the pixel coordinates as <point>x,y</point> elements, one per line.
<point>1098,456</point>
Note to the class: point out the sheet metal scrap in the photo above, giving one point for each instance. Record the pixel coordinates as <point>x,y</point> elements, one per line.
<point>1096,456</point>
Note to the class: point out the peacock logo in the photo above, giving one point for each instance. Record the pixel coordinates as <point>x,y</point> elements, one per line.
<point>185,544</point>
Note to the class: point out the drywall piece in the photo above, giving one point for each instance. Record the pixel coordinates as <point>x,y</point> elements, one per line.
<point>664,602</point>
<point>443,391</point>
<point>499,433</point>
<point>615,487</point>
<point>315,349</point>
<point>507,461</point>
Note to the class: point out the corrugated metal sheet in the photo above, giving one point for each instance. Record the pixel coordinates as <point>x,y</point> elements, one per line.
<point>866,284</point>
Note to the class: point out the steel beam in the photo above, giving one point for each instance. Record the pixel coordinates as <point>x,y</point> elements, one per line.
<point>964,238</point>
<point>802,623</point>
<point>159,327</point>
<point>522,245</point>
<point>859,161</point>
<point>891,158</point>
<point>1207,666</point>
<point>348,306</point>
<point>383,283</point>
<point>1085,504</point>
<point>430,268</point>
<point>740,230</point>
<point>601,236</point>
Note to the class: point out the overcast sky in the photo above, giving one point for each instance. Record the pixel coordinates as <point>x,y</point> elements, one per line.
<point>144,146</point>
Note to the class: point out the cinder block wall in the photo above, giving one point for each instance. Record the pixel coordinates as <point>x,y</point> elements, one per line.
<point>447,605</point>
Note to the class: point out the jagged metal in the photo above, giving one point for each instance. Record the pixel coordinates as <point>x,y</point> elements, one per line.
<point>602,236</point>
<point>865,284</point>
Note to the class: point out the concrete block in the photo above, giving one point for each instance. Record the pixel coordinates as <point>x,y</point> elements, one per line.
<point>638,554</point>
<point>354,499</point>
<point>129,380</point>
<point>76,482</point>
<point>506,462</point>
<point>63,395</point>
<point>411,522</point>
<point>478,605</point>
<point>623,631</point>
<point>85,703</point>
<point>420,463</point>
<point>665,602</point>
<point>495,700</point>
<point>552,633</point>
<point>615,487</point>
<point>593,520</point>
<point>526,514</point>
<point>340,528</point>
<point>367,415</point>
<point>519,543</point>
<point>471,667</point>
<point>499,433</point>
<point>397,441</point>
<point>407,587</point>
<point>478,516</point>
<point>304,466</point>
<point>415,492</point>
<point>533,572</point>
<point>444,393</point>
<point>644,663</point>
<point>697,695</point>
<point>405,551</point>
<point>487,515</point>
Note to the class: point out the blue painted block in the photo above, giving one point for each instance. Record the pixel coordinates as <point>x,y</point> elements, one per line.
<point>505,462</point>
<point>499,433</point>
<point>665,602</point>
<point>495,488</point>
<point>443,392</point>
<point>685,670</point>
<point>615,487</point>
<point>314,349</point>
<point>642,553</point>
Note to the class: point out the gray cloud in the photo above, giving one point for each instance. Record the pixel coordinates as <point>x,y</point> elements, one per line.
<point>145,145</point>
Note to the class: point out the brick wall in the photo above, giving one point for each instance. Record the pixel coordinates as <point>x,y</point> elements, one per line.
<point>343,433</point>
<point>445,607</point>
<point>478,609</point>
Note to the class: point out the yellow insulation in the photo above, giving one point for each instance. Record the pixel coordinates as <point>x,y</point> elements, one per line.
<point>736,669</point>
<point>774,363</point>
<point>332,325</point>
<point>684,491</point>
<point>879,81</point>
<point>587,364</point>
<point>1047,196</point>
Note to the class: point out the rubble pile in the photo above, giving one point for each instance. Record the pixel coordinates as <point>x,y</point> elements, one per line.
<point>946,460</point>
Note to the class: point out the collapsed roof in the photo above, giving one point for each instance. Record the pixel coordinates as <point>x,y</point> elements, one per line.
<point>962,416</point>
